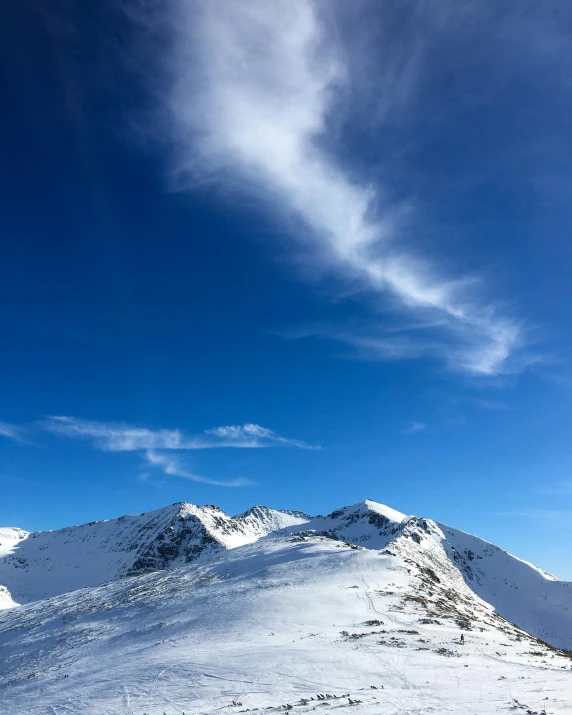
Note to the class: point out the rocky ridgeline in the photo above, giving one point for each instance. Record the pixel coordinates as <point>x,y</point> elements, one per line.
<point>46,563</point>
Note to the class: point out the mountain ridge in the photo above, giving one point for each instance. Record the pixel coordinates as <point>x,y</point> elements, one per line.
<point>38,565</point>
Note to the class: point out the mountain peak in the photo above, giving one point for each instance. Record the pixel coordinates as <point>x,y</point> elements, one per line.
<point>384,510</point>
<point>261,510</point>
<point>262,520</point>
<point>366,507</point>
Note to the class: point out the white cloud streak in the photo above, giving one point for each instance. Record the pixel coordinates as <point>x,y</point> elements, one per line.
<point>172,467</point>
<point>117,437</point>
<point>12,432</point>
<point>253,85</point>
<point>254,435</point>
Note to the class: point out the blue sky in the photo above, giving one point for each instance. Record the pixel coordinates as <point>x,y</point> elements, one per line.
<point>299,254</point>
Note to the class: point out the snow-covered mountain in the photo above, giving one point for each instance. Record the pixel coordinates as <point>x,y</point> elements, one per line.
<point>47,563</point>
<point>41,564</point>
<point>200,612</point>
<point>520,592</point>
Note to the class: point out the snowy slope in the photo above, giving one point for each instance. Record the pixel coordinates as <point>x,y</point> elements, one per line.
<point>46,563</point>
<point>524,594</point>
<point>520,592</point>
<point>260,520</point>
<point>298,622</point>
<point>9,539</point>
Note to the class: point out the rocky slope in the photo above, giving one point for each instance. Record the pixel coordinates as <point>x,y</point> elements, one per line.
<point>46,563</point>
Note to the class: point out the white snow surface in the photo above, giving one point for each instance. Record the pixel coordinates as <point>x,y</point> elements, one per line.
<point>524,594</point>
<point>360,609</point>
<point>46,563</point>
<point>9,539</point>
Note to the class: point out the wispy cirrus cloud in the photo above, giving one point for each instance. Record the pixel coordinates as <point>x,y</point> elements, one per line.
<point>434,339</point>
<point>253,90</point>
<point>114,437</point>
<point>119,437</point>
<point>255,435</point>
<point>173,467</point>
<point>158,446</point>
<point>414,427</point>
<point>13,432</point>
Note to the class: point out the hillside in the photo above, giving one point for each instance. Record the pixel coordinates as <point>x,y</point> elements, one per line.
<point>305,621</point>
<point>47,563</point>
<point>362,608</point>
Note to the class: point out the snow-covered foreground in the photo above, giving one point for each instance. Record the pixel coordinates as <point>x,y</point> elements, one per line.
<point>300,621</point>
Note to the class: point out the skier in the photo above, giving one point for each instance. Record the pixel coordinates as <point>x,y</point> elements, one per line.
<point>462,638</point>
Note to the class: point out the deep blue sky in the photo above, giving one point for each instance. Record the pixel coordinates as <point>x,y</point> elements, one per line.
<point>350,228</point>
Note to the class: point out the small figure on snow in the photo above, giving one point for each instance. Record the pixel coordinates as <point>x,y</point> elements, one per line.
<point>462,638</point>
